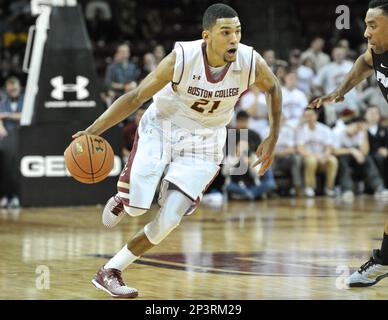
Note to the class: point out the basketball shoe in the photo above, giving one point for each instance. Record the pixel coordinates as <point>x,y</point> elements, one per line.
<point>369,273</point>
<point>113,212</point>
<point>110,281</point>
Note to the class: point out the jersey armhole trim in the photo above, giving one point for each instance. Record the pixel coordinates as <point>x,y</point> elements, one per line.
<point>183,66</point>
<point>250,69</point>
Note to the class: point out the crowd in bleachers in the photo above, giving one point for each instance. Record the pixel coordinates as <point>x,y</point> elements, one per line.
<point>338,150</point>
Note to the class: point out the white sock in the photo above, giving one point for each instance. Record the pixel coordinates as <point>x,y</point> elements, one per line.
<point>121,260</point>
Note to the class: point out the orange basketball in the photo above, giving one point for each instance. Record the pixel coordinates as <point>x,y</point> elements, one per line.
<point>89,158</point>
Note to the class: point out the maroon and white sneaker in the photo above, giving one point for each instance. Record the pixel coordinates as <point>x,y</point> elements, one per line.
<point>109,280</point>
<point>113,212</point>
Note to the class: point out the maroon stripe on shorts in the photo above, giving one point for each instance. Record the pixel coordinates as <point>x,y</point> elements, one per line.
<point>126,173</point>
<point>122,189</point>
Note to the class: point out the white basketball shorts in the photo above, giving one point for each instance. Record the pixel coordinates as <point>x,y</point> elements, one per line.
<point>189,160</point>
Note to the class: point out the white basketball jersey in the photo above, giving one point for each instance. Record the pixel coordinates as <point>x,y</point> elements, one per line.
<point>195,98</point>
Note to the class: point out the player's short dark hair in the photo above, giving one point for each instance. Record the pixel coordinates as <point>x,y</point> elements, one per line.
<point>217,11</point>
<point>379,4</point>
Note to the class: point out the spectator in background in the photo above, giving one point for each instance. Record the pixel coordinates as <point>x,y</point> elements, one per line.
<point>253,102</point>
<point>345,117</point>
<point>309,63</point>
<point>98,18</point>
<point>270,57</point>
<point>281,69</point>
<point>316,54</point>
<point>98,8</point>
<point>127,17</point>
<point>242,121</point>
<point>305,74</point>
<point>328,79</point>
<point>149,65</point>
<point>287,161</point>
<point>372,96</point>
<point>121,71</point>
<point>13,44</point>
<point>10,114</point>
<point>159,53</point>
<point>314,142</point>
<point>247,185</point>
<point>352,149</point>
<point>294,100</point>
<point>378,141</point>
<point>350,54</point>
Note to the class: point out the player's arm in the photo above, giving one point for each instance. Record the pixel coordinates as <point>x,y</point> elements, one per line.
<point>362,69</point>
<point>128,103</point>
<point>267,82</point>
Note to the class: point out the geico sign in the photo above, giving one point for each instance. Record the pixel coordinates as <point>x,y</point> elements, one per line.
<point>53,166</point>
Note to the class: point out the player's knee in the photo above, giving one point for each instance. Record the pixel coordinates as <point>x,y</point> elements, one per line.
<point>134,212</point>
<point>173,222</point>
<point>168,223</point>
<point>176,220</point>
<point>161,227</point>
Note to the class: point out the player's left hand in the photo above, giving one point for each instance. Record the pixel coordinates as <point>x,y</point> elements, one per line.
<point>265,154</point>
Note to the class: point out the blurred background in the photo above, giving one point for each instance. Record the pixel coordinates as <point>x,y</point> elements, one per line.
<point>278,25</point>
<point>124,40</point>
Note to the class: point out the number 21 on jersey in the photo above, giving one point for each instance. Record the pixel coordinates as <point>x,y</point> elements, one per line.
<point>203,102</point>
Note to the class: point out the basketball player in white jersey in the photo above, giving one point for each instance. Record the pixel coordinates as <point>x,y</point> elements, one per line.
<point>181,135</point>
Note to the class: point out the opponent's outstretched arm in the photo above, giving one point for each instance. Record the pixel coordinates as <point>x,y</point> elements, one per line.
<point>131,101</point>
<point>362,69</point>
<point>266,81</point>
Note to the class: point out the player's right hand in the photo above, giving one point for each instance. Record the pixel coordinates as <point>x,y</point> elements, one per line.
<point>333,97</point>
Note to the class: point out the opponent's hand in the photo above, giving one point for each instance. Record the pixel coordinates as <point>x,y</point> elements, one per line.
<point>265,154</point>
<point>333,97</point>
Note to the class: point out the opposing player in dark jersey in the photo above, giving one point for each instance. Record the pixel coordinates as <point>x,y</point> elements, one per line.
<point>374,60</point>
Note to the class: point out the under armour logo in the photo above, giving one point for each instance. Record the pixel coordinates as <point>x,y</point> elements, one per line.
<point>98,147</point>
<point>60,88</point>
<point>383,66</point>
<point>196,77</point>
<point>108,281</point>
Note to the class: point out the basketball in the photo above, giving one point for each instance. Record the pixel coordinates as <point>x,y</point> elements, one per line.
<point>89,158</point>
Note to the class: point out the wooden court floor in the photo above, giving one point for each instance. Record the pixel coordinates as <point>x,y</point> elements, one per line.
<point>273,249</point>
